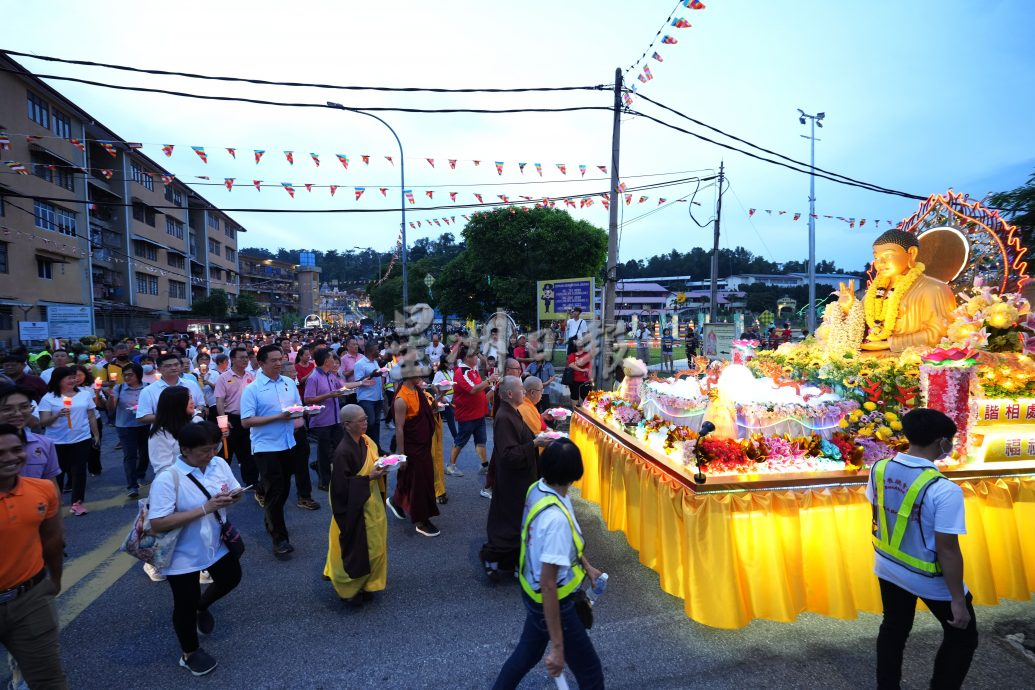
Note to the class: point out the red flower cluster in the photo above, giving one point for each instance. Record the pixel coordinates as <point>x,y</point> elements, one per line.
<point>721,454</point>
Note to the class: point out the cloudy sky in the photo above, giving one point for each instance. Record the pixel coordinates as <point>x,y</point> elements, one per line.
<point>918,96</point>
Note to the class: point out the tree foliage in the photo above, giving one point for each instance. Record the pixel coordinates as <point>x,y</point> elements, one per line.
<point>697,263</point>
<point>506,251</point>
<point>248,306</point>
<point>215,306</point>
<point>1018,206</point>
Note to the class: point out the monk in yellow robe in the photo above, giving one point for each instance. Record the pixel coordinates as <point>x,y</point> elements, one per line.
<point>357,560</point>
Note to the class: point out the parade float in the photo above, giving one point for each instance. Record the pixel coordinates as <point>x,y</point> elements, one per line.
<point>742,482</point>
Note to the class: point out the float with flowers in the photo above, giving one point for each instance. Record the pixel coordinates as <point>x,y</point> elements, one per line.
<point>751,473</point>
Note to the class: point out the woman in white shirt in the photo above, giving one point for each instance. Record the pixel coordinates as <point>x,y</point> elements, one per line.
<point>174,411</point>
<point>68,417</point>
<point>444,375</point>
<point>177,500</point>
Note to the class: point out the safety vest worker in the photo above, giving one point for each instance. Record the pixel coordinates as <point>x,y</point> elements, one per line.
<point>897,535</point>
<point>540,498</point>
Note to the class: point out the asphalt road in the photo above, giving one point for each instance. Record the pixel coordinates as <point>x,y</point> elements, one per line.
<point>440,624</point>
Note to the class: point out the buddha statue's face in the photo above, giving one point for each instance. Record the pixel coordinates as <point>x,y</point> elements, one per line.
<point>890,260</point>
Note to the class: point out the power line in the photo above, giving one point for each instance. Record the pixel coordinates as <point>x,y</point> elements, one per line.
<point>763,149</point>
<point>283,104</point>
<point>267,82</point>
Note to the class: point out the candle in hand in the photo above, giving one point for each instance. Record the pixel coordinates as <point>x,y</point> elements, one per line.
<point>97,383</point>
<point>67,402</point>
<point>223,421</point>
<point>113,376</point>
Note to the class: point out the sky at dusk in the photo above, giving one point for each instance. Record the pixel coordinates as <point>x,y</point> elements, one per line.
<point>919,97</point>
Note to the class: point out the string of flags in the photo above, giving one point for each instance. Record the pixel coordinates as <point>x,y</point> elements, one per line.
<point>797,215</point>
<point>662,37</point>
<point>391,263</point>
<point>289,156</point>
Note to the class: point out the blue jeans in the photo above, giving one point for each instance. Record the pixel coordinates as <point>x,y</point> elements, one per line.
<point>450,419</point>
<point>134,453</point>
<point>373,409</point>
<point>579,654</point>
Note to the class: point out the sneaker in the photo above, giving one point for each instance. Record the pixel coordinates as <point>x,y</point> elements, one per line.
<point>206,623</point>
<point>199,663</point>
<point>486,493</point>
<point>483,469</point>
<point>143,481</point>
<point>427,529</point>
<point>204,578</point>
<point>154,573</point>
<point>321,486</point>
<point>442,500</point>
<point>282,550</point>
<point>396,511</point>
<point>78,509</point>
<point>134,493</point>
<point>491,572</point>
<point>261,500</point>
<point>454,471</point>
<point>308,504</point>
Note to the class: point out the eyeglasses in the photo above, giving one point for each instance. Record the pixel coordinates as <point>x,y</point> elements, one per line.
<point>23,409</point>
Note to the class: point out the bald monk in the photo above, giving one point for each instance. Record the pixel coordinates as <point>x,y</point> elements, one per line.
<point>357,563</point>
<point>514,462</point>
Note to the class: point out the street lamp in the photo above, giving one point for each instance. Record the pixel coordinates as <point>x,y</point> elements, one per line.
<point>402,195</point>
<point>817,121</point>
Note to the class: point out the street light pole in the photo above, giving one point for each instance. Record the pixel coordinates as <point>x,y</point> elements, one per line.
<point>402,198</point>
<point>816,120</point>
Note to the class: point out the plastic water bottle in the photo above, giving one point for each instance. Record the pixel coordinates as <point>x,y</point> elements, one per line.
<point>598,588</point>
<point>562,682</point>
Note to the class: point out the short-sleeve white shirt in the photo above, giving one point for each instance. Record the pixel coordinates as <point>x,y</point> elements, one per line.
<point>550,540</point>
<point>60,431</point>
<point>148,401</point>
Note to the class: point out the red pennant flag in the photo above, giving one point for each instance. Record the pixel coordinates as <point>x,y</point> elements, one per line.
<point>412,225</point>
<point>110,148</point>
<point>258,155</point>
<point>582,169</point>
<point>504,198</point>
<point>167,179</point>
<point>384,192</point>
<point>621,187</point>
<point>389,159</point>
<point>289,189</point>
<point>668,40</point>
<point>452,197</point>
<point>107,173</point>
<point>308,186</point>
<point>258,184</point>
<point>431,161</point>
<point>476,163</point>
<point>316,159</point>
<point>229,182</point>
<point>430,194</point>
<point>452,164</point>
<point>334,188</point>
<point>168,149</point>
<point>365,158</point>
<point>232,152</point>
<point>751,212</point>
<point>78,144</point>
<point>642,199</point>
<point>479,198</point>
<point>606,203</point>
<point>694,4</point>
<point>562,168</point>
<point>359,192</point>
<point>661,201</point>
<point>436,222</point>
<point>290,155</point>
<point>797,216</point>
<point>628,199</point>
<point>657,57</point>
<point>343,159</point>
<point>862,222</point>
<point>499,167</point>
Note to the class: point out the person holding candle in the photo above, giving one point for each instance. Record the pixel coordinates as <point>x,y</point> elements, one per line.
<point>207,378</point>
<point>229,388</point>
<point>170,369</point>
<point>68,416</point>
<point>82,379</point>
<point>304,367</point>
<point>123,403</point>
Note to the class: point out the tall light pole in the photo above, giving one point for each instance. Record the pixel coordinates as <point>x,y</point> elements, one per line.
<point>816,121</point>
<point>402,197</point>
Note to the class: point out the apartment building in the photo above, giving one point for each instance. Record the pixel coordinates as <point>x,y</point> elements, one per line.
<point>96,237</point>
<point>281,287</point>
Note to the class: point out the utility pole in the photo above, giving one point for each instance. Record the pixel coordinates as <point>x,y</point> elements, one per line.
<point>817,120</point>
<point>611,272</point>
<point>713,310</point>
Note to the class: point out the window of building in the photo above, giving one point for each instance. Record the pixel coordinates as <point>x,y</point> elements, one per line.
<point>145,250</point>
<point>3,257</point>
<point>50,217</point>
<point>38,110</point>
<point>147,285</point>
<point>177,289</point>
<point>174,227</point>
<point>174,196</point>
<point>141,176</point>
<point>52,173</point>
<point>231,254</point>
<point>61,125</point>
<point>215,273</point>
<point>6,319</point>
<point>229,230</point>
<point>175,260</point>
<point>44,268</point>
<point>144,213</point>
<point>213,221</point>
<point>213,247</point>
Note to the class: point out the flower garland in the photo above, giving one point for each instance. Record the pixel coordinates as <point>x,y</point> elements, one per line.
<point>882,301</point>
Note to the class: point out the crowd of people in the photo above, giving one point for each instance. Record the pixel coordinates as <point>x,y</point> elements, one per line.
<point>184,408</point>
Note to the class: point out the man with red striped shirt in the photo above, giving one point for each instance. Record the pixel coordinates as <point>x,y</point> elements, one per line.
<point>469,407</point>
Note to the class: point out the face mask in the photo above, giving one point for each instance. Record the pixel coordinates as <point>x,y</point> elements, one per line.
<point>148,368</point>
<point>946,452</point>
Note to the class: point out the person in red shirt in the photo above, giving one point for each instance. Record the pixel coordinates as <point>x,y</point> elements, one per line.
<point>304,367</point>
<point>580,361</point>
<point>469,407</point>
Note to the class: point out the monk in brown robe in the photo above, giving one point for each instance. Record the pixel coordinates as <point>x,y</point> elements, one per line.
<point>514,461</point>
<point>357,563</point>
<point>414,437</point>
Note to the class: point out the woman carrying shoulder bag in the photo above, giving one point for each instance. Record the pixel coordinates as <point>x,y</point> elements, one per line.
<point>206,486</point>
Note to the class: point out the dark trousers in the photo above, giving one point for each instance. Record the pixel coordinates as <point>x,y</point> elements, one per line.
<point>188,598</point>
<point>134,454</point>
<point>373,409</point>
<point>953,658</point>
<point>300,464</point>
<point>239,443</point>
<point>73,458</point>
<point>275,471</point>
<point>449,417</point>
<point>327,440</point>
<point>93,461</point>
<point>579,654</point>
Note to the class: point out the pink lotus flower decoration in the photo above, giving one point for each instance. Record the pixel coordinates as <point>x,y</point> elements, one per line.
<point>951,356</point>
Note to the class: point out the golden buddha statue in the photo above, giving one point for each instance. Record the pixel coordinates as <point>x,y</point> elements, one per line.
<point>903,307</point>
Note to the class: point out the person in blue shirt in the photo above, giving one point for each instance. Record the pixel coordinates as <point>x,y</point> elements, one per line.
<point>370,398</point>
<point>667,342</point>
<point>272,430</point>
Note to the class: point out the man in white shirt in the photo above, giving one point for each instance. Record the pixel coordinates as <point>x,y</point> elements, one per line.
<point>435,350</point>
<point>170,368</point>
<point>575,327</point>
<point>58,359</point>
<point>922,560</point>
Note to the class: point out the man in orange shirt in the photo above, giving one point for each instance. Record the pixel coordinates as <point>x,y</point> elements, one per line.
<point>32,535</point>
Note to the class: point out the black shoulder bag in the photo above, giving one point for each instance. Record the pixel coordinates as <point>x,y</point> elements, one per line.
<point>227,532</point>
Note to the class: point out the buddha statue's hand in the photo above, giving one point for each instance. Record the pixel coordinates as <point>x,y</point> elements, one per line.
<point>874,345</point>
<point>846,296</point>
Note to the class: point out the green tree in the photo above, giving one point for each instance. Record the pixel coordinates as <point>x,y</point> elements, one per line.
<point>247,306</point>
<point>1018,206</point>
<point>506,251</point>
<point>215,306</point>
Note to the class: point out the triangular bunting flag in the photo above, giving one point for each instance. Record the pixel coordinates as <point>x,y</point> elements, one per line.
<point>797,216</point>
<point>562,168</point>
<point>229,182</point>
<point>308,187</point>
<point>582,170</point>
<point>167,179</point>
<point>232,152</point>
<point>499,167</point>
<point>603,168</point>
<point>316,158</point>
<point>668,40</point>
<point>642,199</point>
<point>78,144</point>
<point>657,57</point>
<point>452,164</point>
<point>384,192</point>
<point>343,159</point>
<point>628,199</point>
<point>5,141</point>
<point>200,150</point>
<point>359,192</point>
<point>452,197</point>
<point>290,155</point>
<point>661,201</point>
<point>647,73</point>
<point>430,194</point>
<point>431,161</point>
<point>693,4</point>
<point>289,189</point>
<point>333,188</point>
<point>521,167</point>
<point>478,197</point>
<point>751,212</point>
<point>503,197</point>
<point>168,149</point>
<point>258,185</point>
<point>110,148</point>
<point>538,169</point>
<point>389,159</point>
<point>134,145</point>
<point>681,23</point>
<point>258,155</point>
<point>409,196</point>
